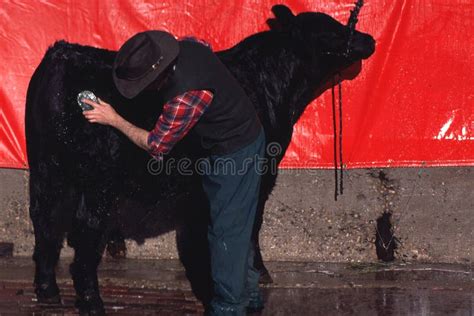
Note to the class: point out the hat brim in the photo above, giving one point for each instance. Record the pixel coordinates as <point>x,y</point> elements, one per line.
<point>170,50</point>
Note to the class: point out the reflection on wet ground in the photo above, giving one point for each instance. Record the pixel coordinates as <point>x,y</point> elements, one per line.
<point>372,301</point>
<point>159,287</point>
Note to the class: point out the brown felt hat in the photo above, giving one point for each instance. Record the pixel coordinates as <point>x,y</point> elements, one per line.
<point>141,59</point>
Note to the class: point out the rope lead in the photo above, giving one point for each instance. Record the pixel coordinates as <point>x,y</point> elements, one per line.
<point>338,167</point>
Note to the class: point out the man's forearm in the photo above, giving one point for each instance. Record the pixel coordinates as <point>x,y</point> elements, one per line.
<point>137,135</point>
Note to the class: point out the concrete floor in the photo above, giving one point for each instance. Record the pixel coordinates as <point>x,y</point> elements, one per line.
<point>159,287</point>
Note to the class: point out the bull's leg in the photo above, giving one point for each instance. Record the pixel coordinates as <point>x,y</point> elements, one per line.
<point>88,239</point>
<point>88,244</point>
<point>46,254</point>
<point>268,182</point>
<point>265,277</point>
<point>274,155</point>
<point>45,206</point>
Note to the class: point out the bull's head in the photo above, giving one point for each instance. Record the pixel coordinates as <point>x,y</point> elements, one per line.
<point>323,40</point>
<point>326,52</point>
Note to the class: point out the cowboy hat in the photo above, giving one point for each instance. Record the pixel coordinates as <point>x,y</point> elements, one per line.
<point>141,59</point>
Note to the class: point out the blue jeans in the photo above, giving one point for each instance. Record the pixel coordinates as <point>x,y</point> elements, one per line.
<point>232,186</point>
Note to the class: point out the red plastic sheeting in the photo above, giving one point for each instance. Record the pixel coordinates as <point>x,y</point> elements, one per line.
<point>411,105</point>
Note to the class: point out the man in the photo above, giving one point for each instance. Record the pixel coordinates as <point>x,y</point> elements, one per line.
<point>204,97</point>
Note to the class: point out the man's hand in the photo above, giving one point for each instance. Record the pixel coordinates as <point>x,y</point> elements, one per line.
<point>103,113</point>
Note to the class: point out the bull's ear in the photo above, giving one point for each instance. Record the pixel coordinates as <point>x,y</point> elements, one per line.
<point>283,14</point>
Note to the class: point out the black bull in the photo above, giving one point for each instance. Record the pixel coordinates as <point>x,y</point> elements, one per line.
<point>87,180</point>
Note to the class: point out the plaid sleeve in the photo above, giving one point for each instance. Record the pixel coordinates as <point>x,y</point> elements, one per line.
<point>178,117</point>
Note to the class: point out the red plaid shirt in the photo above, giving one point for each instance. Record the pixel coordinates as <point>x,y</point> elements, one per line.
<point>179,115</point>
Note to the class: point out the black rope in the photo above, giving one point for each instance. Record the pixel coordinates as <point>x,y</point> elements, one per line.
<point>334,124</point>
<point>340,139</point>
<point>339,180</point>
<point>338,165</point>
<point>352,23</point>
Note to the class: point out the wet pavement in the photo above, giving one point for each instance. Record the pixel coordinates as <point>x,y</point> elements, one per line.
<point>160,287</point>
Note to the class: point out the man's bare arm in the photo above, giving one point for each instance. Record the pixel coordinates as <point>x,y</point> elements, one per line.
<point>136,134</point>
<point>104,113</point>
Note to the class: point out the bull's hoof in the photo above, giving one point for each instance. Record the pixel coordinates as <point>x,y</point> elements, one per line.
<point>90,305</point>
<point>47,293</point>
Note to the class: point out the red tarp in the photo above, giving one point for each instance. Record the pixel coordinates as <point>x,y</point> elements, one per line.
<point>412,103</point>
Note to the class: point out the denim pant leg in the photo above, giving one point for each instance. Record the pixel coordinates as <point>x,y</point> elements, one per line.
<point>232,187</point>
